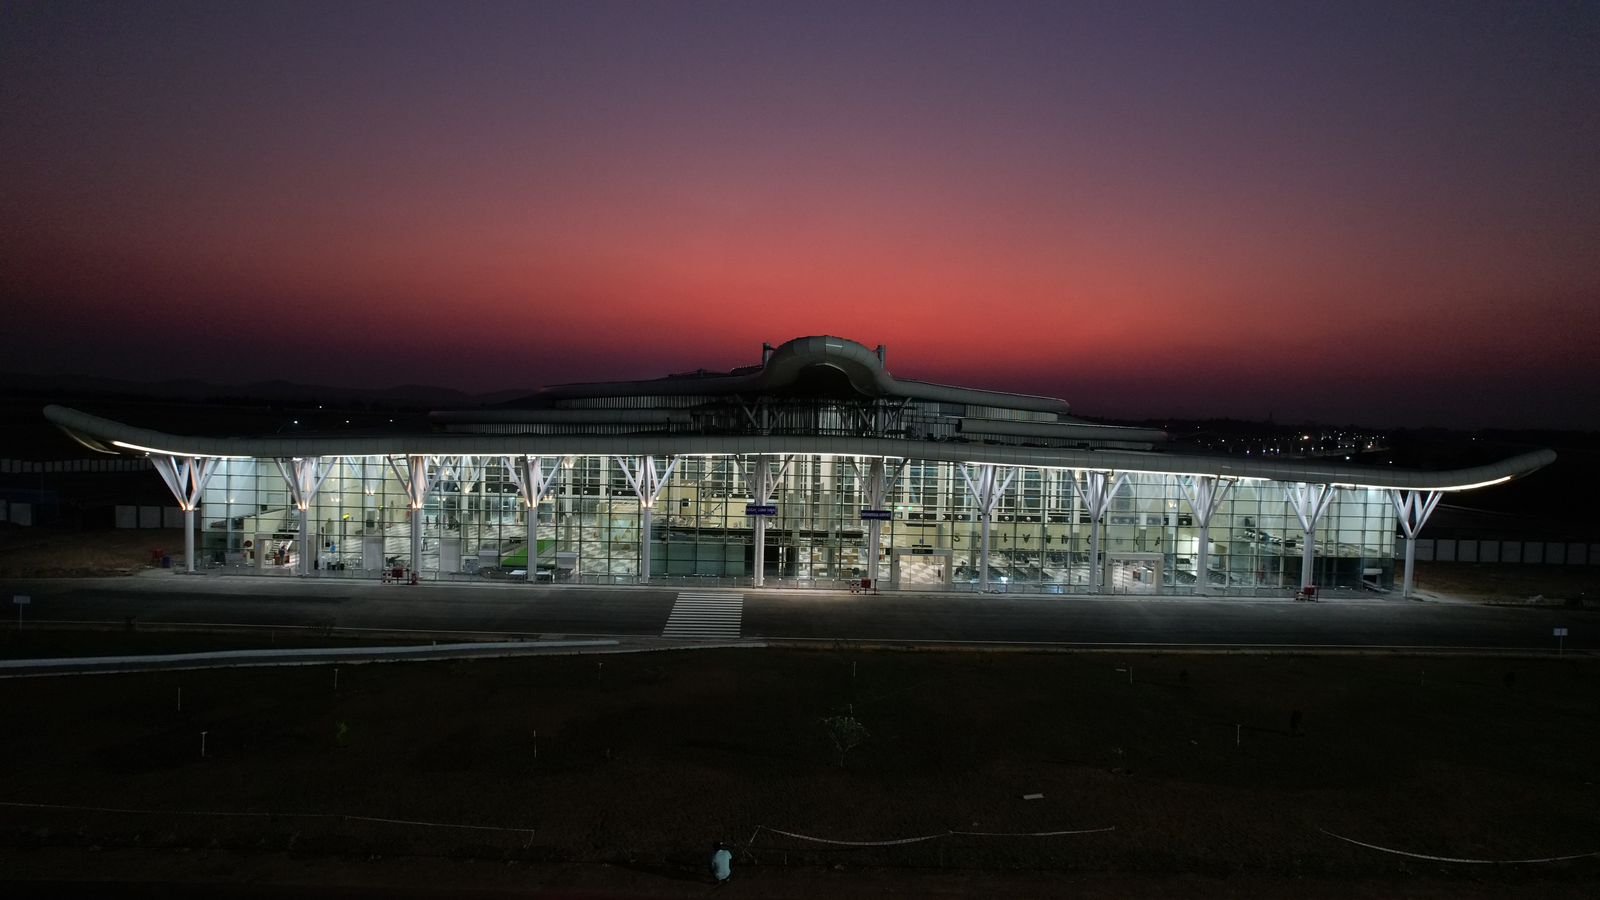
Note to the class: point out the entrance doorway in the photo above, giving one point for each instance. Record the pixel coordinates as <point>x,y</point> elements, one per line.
<point>1133,573</point>
<point>914,567</point>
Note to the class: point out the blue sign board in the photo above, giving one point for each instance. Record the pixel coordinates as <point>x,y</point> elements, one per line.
<point>876,515</point>
<point>756,509</point>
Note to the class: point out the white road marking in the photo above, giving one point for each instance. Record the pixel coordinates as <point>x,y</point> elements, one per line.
<point>705,615</point>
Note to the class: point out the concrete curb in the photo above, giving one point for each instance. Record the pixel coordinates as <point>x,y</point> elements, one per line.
<point>234,659</point>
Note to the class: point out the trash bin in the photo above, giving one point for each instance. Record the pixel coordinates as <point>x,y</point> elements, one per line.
<point>166,561</point>
<point>155,556</point>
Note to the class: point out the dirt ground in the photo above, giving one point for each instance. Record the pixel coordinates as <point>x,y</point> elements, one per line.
<point>612,776</point>
<point>1505,583</point>
<point>50,553</point>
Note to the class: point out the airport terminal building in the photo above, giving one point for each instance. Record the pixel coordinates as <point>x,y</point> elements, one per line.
<point>812,467</point>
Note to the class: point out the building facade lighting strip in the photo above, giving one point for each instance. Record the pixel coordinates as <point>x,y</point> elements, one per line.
<point>127,446</point>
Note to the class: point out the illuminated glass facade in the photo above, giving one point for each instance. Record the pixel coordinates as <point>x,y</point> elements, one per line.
<point>588,530</point>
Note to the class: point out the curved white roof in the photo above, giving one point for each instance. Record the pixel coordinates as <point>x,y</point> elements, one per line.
<point>106,435</point>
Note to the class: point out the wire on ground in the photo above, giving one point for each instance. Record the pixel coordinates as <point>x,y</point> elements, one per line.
<point>1452,859</point>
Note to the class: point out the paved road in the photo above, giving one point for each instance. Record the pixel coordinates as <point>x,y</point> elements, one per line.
<point>780,615</point>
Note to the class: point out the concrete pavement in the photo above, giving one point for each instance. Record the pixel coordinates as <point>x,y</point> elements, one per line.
<point>520,610</point>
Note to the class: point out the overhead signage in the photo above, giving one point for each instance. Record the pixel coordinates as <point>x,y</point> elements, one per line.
<point>758,509</point>
<point>877,515</point>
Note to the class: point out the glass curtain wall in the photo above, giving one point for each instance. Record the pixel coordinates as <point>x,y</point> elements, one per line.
<point>474,525</point>
<point>360,518</point>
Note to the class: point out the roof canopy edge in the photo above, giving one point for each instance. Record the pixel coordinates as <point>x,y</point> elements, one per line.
<point>96,432</point>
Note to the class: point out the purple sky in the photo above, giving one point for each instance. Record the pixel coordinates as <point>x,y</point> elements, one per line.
<point>1386,213</point>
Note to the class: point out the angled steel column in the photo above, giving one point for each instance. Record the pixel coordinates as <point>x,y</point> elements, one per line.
<point>647,484</point>
<point>418,485</point>
<point>1413,509</point>
<point>1205,494</point>
<point>1310,502</point>
<point>763,484</point>
<point>186,477</point>
<point>534,483</point>
<point>987,488</point>
<point>1095,491</point>
<point>304,483</point>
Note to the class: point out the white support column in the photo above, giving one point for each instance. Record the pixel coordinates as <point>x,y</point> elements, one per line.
<point>1095,491</point>
<point>987,488</point>
<point>647,484</point>
<point>371,484</point>
<point>418,485</point>
<point>878,485</point>
<point>1205,494</point>
<point>186,477</point>
<point>467,472</point>
<point>762,481</point>
<point>304,482</point>
<point>1310,502</point>
<point>534,483</point>
<point>1413,509</point>
<point>759,479</point>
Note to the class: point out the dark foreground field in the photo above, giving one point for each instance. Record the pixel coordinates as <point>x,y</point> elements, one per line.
<point>53,552</point>
<point>612,775</point>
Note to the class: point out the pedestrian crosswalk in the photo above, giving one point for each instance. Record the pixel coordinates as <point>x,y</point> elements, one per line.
<point>705,615</point>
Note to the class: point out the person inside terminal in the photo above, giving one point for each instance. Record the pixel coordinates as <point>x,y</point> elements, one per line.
<point>814,467</point>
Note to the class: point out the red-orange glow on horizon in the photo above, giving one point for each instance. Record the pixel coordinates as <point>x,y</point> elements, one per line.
<point>1217,214</point>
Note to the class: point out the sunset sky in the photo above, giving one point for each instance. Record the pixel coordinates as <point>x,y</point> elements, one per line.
<point>1386,213</point>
